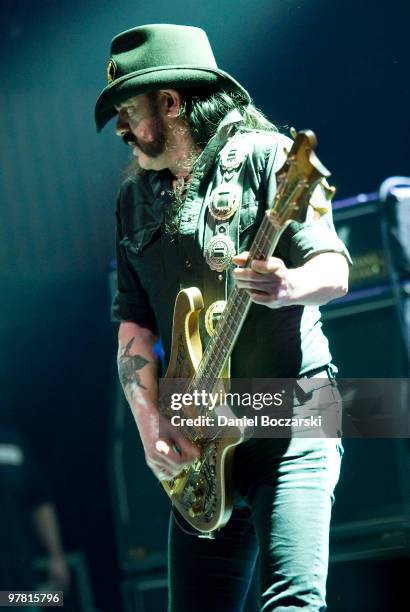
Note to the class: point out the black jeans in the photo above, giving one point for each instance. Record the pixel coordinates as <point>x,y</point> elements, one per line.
<point>284,494</point>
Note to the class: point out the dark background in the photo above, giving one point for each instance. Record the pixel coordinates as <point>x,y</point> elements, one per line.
<point>338,67</point>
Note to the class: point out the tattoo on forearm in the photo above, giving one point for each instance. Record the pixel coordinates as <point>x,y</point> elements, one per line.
<point>128,366</point>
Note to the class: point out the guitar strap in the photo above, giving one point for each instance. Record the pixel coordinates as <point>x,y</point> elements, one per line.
<point>222,204</point>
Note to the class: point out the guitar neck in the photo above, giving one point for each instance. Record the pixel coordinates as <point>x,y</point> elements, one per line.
<point>222,342</point>
<point>297,179</point>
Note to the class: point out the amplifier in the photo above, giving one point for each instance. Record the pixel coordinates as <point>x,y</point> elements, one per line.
<point>358,223</point>
<point>368,332</point>
<point>368,329</point>
<point>376,229</point>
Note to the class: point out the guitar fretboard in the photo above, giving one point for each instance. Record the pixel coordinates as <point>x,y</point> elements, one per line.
<point>233,316</point>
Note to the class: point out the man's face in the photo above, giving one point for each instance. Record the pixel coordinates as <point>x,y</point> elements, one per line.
<point>141,125</point>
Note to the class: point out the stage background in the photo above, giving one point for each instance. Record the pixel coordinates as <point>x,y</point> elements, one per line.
<point>340,68</point>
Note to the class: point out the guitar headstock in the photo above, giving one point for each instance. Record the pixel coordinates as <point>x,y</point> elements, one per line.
<point>297,179</point>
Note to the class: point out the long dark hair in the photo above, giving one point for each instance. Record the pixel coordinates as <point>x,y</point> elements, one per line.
<point>205,112</point>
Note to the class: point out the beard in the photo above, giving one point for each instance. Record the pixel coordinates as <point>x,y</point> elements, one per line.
<point>157,146</point>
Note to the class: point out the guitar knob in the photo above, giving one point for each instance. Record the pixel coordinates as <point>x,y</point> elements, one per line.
<point>197,502</point>
<point>195,510</point>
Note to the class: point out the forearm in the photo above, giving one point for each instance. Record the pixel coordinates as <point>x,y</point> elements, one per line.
<point>320,280</point>
<point>166,449</point>
<point>46,526</point>
<point>138,367</point>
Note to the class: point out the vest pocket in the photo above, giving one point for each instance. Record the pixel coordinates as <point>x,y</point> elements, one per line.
<point>248,224</point>
<point>140,239</point>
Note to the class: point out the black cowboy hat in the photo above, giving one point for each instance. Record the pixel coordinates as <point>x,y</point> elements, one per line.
<point>158,56</point>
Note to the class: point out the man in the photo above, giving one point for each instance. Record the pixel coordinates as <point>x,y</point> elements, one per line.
<point>200,147</point>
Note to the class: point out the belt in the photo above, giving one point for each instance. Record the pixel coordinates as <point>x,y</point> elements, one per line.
<point>327,368</point>
<point>305,390</point>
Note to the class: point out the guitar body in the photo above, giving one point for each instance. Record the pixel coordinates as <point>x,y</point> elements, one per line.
<point>203,492</point>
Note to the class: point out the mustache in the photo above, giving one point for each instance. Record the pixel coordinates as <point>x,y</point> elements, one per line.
<point>153,148</point>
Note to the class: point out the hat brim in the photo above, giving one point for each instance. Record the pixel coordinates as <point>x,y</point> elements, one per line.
<point>143,81</point>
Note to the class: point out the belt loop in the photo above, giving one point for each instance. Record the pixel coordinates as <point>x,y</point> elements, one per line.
<point>332,370</point>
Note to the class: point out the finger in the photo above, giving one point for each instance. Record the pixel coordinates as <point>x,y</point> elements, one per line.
<point>262,298</point>
<point>188,451</point>
<point>165,475</point>
<point>241,258</point>
<point>167,455</point>
<point>265,300</point>
<point>161,474</point>
<point>162,447</point>
<point>248,273</point>
<point>177,457</point>
<point>169,469</point>
<point>272,264</point>
<point>267,287</point>
<point>163,469</point>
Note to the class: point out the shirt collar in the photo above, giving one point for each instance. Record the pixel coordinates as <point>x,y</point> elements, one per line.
<point>232,118</point>
<point>217,141</point>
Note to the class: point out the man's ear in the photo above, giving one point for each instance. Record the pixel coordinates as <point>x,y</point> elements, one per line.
<point>170,102</point>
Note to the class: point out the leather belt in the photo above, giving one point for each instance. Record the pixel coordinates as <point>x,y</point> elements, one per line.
<point>326,368</point>
<point>304,389</point>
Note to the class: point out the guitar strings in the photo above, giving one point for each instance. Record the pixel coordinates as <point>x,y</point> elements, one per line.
<point>216,354</point>
<point>236,304</point>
